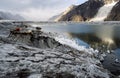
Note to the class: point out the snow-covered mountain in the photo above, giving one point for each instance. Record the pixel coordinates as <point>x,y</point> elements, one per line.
<point>92,10</point>
<point>10,16</point>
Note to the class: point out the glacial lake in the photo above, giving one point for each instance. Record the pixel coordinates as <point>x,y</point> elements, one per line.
<point>103,37</point>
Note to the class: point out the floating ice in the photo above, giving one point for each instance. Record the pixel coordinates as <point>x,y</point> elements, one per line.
<point>72,43</point>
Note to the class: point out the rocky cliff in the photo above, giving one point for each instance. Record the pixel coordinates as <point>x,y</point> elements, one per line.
<point>87,11</point>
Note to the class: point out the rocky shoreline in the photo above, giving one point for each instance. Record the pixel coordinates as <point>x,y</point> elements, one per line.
<point>41,56</point>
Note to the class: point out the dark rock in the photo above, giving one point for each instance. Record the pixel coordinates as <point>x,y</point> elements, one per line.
<point>23,73</point>
<point>58,75</point>
<point>33,38</point>
<point>38,28</point>
<point>110,64</point>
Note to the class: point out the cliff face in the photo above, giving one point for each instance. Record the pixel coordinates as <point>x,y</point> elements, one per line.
<point>115,13</point>
<point>86,11</point>
<point>82,12</point>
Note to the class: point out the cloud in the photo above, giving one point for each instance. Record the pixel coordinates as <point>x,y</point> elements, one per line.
<point>36,9</point>
<point>38,14</point>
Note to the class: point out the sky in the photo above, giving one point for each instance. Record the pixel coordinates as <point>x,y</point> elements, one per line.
<point>40,10</point>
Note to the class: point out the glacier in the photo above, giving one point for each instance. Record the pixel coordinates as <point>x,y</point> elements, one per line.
<point>65,59</point>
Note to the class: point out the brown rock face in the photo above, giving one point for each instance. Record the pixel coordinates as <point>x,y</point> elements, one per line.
<point>77,18</point>
<point>115,13</point>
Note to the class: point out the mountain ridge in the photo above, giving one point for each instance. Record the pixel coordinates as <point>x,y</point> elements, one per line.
<point>10,16</point>
<point>87,11</point>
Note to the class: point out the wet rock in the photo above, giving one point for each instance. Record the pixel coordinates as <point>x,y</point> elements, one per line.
<point>23,73</point>
<point>44,42</point>
<point>111,64</point>
<point>5,28</point>
<point>58,75</point>
<point>34,38</point>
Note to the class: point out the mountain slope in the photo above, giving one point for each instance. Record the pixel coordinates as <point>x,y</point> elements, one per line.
<point>85,11</point>
<point>9,16</point>
<point>82,12</point>
<point>60,16</point>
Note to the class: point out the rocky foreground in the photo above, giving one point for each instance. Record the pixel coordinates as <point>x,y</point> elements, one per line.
<point>31,55</point>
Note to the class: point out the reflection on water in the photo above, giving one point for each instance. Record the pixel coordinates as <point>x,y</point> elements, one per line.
<point>89,33</point>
